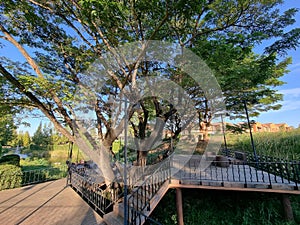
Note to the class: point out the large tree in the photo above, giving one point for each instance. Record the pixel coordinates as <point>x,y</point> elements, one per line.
<point>61,39</point>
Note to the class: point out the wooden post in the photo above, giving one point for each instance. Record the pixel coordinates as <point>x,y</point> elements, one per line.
<point>179,206</point>
<point>287,207</point>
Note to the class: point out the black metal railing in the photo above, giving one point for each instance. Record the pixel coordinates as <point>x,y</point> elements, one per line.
<point>247,174</point>
<point>243,173</point>
<point>280,167</point>
<point>28,177</point>
<point>97,195</point>
<point>148,220</point>
<point>285,169</point>
<point>43,175</point>
<point>140,197</point>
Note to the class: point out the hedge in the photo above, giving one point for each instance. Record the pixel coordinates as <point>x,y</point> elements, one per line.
<point>11,159</point>
<point>10,176</point>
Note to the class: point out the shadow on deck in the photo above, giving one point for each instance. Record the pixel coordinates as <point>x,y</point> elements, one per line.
<point>46,203</point>
<point>185,172</point>
<point>54,203</point>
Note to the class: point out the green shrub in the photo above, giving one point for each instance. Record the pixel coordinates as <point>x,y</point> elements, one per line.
<point>10,176</point>
<point>12,159</point>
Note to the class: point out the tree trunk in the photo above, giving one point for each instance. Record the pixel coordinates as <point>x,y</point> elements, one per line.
<point>204,131</point>
<point>142,158</point>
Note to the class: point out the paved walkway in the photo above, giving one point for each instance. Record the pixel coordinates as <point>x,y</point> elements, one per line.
<point>46,204</point>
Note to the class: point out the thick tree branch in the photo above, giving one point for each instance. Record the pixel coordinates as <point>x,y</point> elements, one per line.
<point>49,114</point>
<point>35,67</point>
<point>29,59</point>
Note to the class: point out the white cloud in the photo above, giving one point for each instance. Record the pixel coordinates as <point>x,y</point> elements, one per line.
<point>294,66</point>
<point>289,105</point>
<point>291,100</point>
<point>291,93</point>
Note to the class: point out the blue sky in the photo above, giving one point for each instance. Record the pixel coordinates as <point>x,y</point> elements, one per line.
<point>289,113</point>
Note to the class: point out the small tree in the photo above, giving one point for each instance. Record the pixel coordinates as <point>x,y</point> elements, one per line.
<point>42,136</point>
<point>26,139</point>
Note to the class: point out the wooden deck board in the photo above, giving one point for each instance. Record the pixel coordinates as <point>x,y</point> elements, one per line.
<point>188,172</point>
<point>53,203</point>
<point>231,187</point>
<point>47,203</point>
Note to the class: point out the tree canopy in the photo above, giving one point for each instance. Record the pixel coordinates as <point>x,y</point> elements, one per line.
<point>59,40</point>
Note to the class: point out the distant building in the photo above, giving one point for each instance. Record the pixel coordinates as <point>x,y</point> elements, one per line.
<point>270,127</point>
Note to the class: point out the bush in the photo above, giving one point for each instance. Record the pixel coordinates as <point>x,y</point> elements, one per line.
<point>10,159</point>
<point>10,176</point>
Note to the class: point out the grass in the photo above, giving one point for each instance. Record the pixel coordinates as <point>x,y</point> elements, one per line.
<point>209,207</point>
<point>245,208</point>
<point>43,165</point>
<point>55,156</point>
<point>34,164</point>
<point>284,145</point>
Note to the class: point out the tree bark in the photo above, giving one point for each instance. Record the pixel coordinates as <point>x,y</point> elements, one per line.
<point>142,158</point>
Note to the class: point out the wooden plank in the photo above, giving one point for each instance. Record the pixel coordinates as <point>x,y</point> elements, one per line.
<point>287,207</point>
<point>179,206</point>
<point>47,203</point>
<point>176,184</point>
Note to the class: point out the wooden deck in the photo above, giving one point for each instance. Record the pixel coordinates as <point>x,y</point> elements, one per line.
<point>47,203</point>
<point>237,177</point>
<point>54,203</point>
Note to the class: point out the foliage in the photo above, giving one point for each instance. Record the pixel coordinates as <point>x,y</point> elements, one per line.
<point>60,153</point>
<point>43,168</point>
<point>7,129</point>
<point>63,38</point>
<point>37,170</point>
<point>224,207</point>
<point>54,157</point>
<point>11,176</point>
<point>243,75</point>
<point>26,139</point>
<point>58,139</point>
<point>284,145</point>
<point>42,175</point>
<point>10,159</point>
<point>237,128</point>
<point>42,136</point>
<point>20,139</point>
<point>34,164</point>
